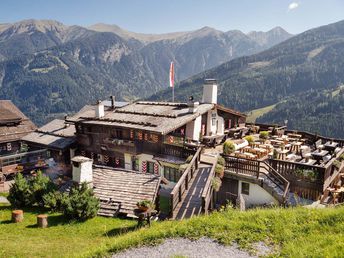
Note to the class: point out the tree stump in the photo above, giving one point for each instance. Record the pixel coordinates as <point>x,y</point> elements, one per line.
<point>42,221</point>
<point>17,216</point>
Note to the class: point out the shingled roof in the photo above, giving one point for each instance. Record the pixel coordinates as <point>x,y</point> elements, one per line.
<point>159,117</point>
<point>13,123</point>
<point>56,135</point>
<point>124,186</point>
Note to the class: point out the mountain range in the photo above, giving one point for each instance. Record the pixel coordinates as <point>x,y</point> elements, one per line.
<point>298,82</point>
<point>49,69</point>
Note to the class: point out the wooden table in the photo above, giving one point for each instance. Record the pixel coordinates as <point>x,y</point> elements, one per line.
<point>282,154</point>
<point>309,162</point>
<point>330,146</point>
<point>295,146</point>
<point>318,155</point>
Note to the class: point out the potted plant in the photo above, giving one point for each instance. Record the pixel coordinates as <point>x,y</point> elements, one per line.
<point>216,183</point>
<point>228,147</point>
<point>219,171</point>
<point>264,135</point>
<point>249,139</point>
<point>144,205</point>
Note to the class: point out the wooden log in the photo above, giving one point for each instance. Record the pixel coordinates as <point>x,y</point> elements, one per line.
<point>17,216</point>
<point>42,220</point>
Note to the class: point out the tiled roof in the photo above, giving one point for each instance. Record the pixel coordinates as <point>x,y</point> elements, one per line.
<point>127,187</point>
<point>56,135</point>
<point>13,123</point>
<point>159,117</point>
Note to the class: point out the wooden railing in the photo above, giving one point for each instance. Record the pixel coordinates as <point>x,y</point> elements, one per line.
<point>207,193</point>
<point>176,195</point>
<point>243,166</point>
<point>256,168</point>
<point>330,172</point>
<point>311,136</point>
<point>177,151</point>
<point>278,179</point>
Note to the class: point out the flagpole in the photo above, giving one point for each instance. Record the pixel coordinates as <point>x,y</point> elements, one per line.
<point>173,93</point>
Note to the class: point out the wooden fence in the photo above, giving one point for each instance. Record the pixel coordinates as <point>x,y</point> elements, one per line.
<point>255,169</point>
<point>182,185</point>
<point>208,191</point>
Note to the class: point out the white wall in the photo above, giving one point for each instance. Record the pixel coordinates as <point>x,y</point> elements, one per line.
<point>83,173</point>
<point>209,93</point>
<point>193,129</point>
<point>257,196</point>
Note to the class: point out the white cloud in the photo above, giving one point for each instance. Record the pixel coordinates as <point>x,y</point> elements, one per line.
<point>293,6</point>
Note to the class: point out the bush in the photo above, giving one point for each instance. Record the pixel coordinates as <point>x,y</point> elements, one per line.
<point>80,203</point>
<point>219,170</point>
<point>145,204</point>
<point>54,200</point>
<point>249,138</point>
<point>20,193</point>
<point>40,185</point>
<point>216,183</point>
<point>30,192</point>
<point>264,135</point>
<point>228,147</point>
<point>221,161</point>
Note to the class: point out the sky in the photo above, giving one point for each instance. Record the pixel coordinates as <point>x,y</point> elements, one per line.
<point>160,16</point>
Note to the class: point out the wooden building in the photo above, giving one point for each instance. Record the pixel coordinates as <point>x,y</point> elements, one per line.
<point>151,137</point>
<point>57,137</point>
<point>13,126</point>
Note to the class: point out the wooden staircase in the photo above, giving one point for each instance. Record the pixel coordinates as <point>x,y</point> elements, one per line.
<point>333,190</point>
<point>274,183</point>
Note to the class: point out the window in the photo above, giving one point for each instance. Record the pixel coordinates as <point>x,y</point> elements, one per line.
<point>171,174</point>
<point>150,167</point>
<point>245,188</point>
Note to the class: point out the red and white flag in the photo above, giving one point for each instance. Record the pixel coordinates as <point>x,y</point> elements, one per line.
<point>172,75</point>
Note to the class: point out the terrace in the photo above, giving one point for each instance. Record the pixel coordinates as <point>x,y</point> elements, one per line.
<point>313,165</point>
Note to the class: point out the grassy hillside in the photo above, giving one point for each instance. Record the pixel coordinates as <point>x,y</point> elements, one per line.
<point>296,232</point>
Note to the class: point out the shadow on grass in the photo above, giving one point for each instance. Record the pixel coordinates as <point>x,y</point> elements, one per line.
<point>6,222</point>
<point>119,231</point>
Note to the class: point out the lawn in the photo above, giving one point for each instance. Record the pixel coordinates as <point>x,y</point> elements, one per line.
<point>61,239</point>
<point>293,232</point>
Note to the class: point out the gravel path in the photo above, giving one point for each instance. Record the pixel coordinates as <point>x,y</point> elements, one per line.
<point>180,247</point>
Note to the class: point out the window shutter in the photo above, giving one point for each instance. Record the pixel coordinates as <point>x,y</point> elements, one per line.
<point>144,166</point>
<point>156,168</point>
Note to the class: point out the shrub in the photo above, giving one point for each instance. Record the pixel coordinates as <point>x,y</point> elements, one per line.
<point>40,185</point>
<point>228,147</point>
<point>20,193</point>
<point>145,204</point>
<point>216,183</point>
<point>219,170</point>
<point>54,200</point>
<point>341,157</point>
<point>80,204</point>
<point>221,161</point>
<point>264,135</point>
<point>249,138</point>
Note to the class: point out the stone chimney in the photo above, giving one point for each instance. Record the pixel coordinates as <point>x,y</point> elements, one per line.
<point>210,91</point>
<point>99,110</point>
<point>192,105</point>
<point>82,170</point>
